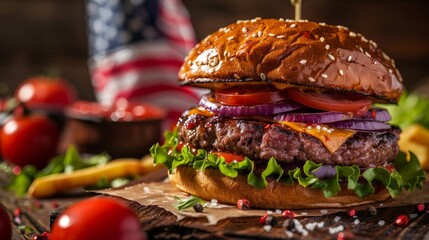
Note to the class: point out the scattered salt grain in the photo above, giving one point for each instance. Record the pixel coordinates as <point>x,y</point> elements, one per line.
<point>356,222</point>
<point>310,226</point>
<point>335,230</point>
<point>320,224</point>
<point>289,234</point>
<point>337,218</point>
<point>267,228</point>
<point>278,211</point>
<point>414,215</point>
<point>323,211</point>
<point>381,223</point>
<point>146,189</point>
<point>213,202</point>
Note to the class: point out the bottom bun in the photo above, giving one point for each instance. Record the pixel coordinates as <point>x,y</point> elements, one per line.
<point>212,184</point>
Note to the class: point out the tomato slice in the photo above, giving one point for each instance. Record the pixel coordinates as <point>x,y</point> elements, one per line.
<point>229,157</point>
<point>250,96</point>
<point>329,101</point>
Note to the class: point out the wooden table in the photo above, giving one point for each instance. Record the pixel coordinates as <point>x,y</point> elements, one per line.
<point>161,224</point>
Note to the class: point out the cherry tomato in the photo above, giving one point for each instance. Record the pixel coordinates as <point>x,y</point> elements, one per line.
<point>331,101</point>
<point>5,225</point>
<point>29,140</point>
<point>45,92</point>
<point>229,157</point>
<point>97,218</point>
<point>250,96</point>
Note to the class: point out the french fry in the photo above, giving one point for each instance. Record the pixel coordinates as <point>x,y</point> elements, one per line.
<point>50,185</point>
<point>415,138</point>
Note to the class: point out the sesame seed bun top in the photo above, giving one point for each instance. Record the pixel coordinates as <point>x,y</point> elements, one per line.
<point>284,53</point>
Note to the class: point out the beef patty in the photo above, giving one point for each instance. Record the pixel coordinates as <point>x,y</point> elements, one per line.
<point>261,141</point>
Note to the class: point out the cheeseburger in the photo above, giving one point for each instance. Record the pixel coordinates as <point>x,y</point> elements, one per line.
<point>289,121</point>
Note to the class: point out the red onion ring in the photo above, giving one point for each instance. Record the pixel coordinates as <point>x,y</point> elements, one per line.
<point>361,125</point>
<point>248,111</point>
<point>374,114</point>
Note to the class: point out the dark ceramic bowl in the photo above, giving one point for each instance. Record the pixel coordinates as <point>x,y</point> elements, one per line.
<point>123,130</point>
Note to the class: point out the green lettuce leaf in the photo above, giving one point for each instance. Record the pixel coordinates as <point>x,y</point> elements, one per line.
<point>407,174</point>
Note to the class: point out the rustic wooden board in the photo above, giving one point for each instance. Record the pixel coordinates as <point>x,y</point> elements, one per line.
<point>161,224</point>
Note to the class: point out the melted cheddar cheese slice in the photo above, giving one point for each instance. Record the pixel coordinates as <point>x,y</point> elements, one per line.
<point>332,138</point>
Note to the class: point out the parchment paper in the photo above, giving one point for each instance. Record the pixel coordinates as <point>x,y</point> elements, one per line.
<point>162,195</point>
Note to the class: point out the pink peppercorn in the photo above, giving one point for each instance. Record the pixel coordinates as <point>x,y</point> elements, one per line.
<point>288,214</point>
<point>243,204</point>
<point>402,220</point>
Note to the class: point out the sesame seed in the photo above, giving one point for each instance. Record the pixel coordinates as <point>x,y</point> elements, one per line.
<point>311,79</point>
<point>381,223</point>
<point>234,161</point>
<point>322,39</point>
<point>323,211</point>
<point>364,39</point>
<point>385,56</point>
<point>324,75</point>
<point>374,44</point>
<point>254,35</point>
<point>349,59</point>
<point>278,211</point>
<point>342,27</point>
<point>259,33</point>
<point>230,38</point>
<point>263,77</point>
<point>324,128</point>
<point>146,189</point>
<point>303,61</point>
<point>271,34</point>
<point>318,127</point>
<point>281,36</point>
<point>352,34</point>
<point>322,24</point>
<point>240,21</point>
<point>255,19</point>
<point>329,131</point>
<point>390,70</point>
<point>244,29</point>
<point>331,57</point>
<point>367,54</point>
<point>341,72</point>
<point>293,25</point>
<point>236,76</point>
<point>327,47</point>
<point>214,61</point>
<point>309,127</point>
<point>269,212</point>
<point>281,19</point>
<point>360,49</point>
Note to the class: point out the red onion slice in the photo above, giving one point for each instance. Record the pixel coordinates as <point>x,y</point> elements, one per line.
<point>374,114</point>
<point>361,125</point>
<point>248,111</point>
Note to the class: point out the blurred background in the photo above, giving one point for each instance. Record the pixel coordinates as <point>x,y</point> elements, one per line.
<point>45,34</point>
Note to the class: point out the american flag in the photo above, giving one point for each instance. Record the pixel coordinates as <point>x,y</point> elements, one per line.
<point>136,50</point>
